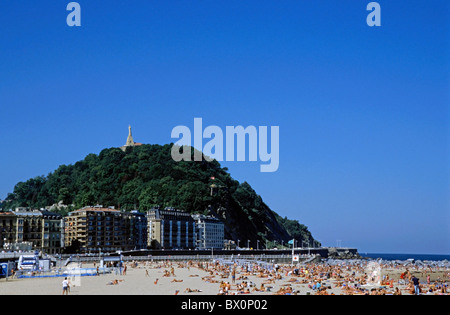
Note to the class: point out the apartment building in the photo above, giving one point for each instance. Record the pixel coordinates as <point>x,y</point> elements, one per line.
<point>98,229</point>
<point>136,227</point>
<point>52,232</point>
<point>8,228</point>
<point>40,228</point>
<point>171,228</point>
<point>210,232</point>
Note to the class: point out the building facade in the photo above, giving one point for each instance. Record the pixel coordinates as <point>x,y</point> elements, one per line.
<point>170,228</point>
<point>98,229</point>
<point>210,232</point>
<point>8,228</point>
<point>52,232</point>
<point>136,228</point>
<point>31,224</point>
<point>41,229</point>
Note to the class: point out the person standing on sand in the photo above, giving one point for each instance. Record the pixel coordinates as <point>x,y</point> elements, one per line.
<point>416,285</point>
<point>408,276</point>
<point>65,287</point>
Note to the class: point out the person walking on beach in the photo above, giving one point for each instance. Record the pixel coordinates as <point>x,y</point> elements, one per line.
<point>65,287</point>
<point>416,285</point>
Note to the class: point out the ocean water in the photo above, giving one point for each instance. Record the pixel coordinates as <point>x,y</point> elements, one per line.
<point>406,256</point>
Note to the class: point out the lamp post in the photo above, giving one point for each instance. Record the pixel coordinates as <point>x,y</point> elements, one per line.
<point>293,247</point>
<point>7,263</point>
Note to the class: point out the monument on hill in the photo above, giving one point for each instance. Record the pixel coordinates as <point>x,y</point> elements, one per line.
<point>130,141</point>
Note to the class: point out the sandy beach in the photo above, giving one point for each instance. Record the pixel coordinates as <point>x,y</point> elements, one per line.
<point>208,278</point>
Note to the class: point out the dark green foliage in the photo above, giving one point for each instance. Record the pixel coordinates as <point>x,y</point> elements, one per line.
<point>147,176</point>
<point>298,231</point>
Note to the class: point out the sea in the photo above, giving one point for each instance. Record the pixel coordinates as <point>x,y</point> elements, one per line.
<point>421,257</point>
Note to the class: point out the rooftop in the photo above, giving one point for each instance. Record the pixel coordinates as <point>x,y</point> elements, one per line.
<point>6,213</point>
<point>96,209</point>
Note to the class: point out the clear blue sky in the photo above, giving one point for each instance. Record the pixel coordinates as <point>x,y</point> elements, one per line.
<point>363,112</point>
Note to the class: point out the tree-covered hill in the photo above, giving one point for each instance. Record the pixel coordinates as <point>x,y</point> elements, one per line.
<point>147,176</point>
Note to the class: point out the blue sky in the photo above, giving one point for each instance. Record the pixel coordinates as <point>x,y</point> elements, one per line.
<point>363,111</point>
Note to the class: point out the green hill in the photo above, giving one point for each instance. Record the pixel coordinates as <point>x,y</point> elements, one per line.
<point>146,176</point>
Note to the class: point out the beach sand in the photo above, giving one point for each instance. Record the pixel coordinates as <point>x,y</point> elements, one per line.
<point>135,282</point>
<point>157,280</point>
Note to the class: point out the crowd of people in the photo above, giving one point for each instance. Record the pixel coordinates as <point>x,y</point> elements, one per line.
<point>320,278</point>
<point>356,278</point>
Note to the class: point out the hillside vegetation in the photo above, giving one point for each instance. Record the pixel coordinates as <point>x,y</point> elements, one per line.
<point>146,176</point>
